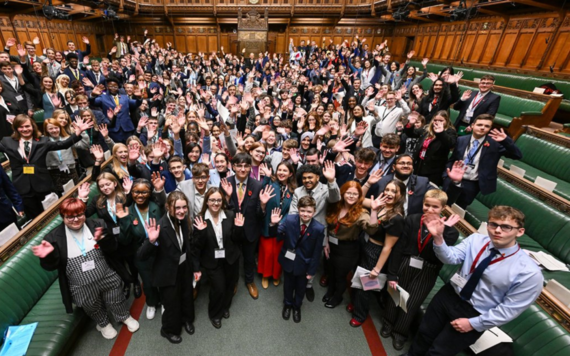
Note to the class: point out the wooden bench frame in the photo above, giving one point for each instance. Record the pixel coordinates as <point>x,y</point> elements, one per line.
<point>6,166</point>
<point>28,232</point>
<point>549,136</point>
<point>554,307</point>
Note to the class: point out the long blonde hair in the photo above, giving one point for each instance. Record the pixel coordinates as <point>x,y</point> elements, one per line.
<point>429,128</point>
<point>116,164</point>
<point>119,194</point>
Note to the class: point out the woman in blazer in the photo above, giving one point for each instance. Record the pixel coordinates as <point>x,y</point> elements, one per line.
<point>216,236</point>
<point>175,266</point>
<point>278,193</point>
<point>435,142</point>
<point>27,151</point>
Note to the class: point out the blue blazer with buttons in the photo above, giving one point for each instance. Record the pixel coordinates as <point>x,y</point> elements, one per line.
<point>308,251</point>
<point>123,119</point>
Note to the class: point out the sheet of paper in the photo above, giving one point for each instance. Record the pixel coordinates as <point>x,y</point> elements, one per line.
<point>545,183</point>
<point>458,210</point>
<point>49,200</point>
<point>68,186</point>
<point>370,283</point>
<point>223,111</point>
<point>517,170</point>
<point>482,228</point>
<point>356,281</point>
<point>395,295</point>
<point>490,338</point>
<point>538,90</point>
<point>404,296</point>
<point>18,340</point>
<point>8,233</point>
<point>559,291</point>
<point>501,163</point>
<point>547,261</point>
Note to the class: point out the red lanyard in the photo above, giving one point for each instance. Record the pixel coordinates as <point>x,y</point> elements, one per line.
<point>475,103</point>
<point>474,264</point>
<point>336,227</point>
<point>428,237</point>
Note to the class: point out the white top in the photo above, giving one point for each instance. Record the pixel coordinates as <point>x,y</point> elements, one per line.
<point>217,227</point>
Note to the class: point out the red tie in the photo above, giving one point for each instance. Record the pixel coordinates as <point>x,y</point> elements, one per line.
<point>303,229</point>
<point>32,60</point>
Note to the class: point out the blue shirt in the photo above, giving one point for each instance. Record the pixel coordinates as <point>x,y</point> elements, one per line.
<point>506,288</point>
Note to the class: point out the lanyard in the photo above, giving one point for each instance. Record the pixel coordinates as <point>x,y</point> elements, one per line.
<point>111,210</point>
<point>471,158</point>
<point>475,103</point>
<point>474,264</point>
<point>428,237</point>
<point>178,234</point>
<point>337,226</point>
<point>58,152</point>
<point>387,113</point>
<point>82,244</point>
<point>143,222</point>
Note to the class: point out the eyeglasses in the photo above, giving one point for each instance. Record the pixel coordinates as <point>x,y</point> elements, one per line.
<point>201,178</point>
<point>352,195</point>
<point>504,227</point>
<point>242,166</point>
<point>144,192</point>
<point>405,163</point>
<point>215,201</point>
<point>73,217</point>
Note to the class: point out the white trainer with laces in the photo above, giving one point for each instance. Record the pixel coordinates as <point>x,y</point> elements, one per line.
<point>150,312</point>
<point>108,331</point>
<point>131,324</point>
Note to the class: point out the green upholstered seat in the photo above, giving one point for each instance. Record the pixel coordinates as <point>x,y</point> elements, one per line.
<point>39,118</point>
<point>545,159</point>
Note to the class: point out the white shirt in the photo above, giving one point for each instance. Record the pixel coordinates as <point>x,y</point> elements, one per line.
<point>472,172</point>
<point>13,82</point>
<point>84,237</point>
<point>217,227</point>
<point>21,149</point>
<point>387,119</point>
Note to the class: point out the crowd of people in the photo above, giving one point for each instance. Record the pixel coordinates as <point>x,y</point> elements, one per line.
<point>328,158</point>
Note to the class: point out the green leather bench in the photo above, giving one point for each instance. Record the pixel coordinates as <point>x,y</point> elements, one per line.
<point>546,229</point>
<point>31,294</point>
<point>545,159</point>
<point>39,119</point>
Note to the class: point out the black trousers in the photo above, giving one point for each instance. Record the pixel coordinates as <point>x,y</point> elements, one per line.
<point>469,190</point>
<point>151,293</point>
<point>436,336</point>
<point>222,282</point>
<point>33,204</point>
<point>362,298</point>
<point>178,301</point>
<point>248,251</point>
<point>343,259</point>
<point>294,289</point>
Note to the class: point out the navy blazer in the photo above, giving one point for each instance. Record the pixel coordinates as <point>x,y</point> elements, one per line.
<point>488,105</point>
<point>417,186</point>
<point>91,76</point>
<point>250,207</point>
<point>72,77</point>
<point>307,250</point>
<point>491,153</point>
<point>9,198</point>
<point>123,119</point>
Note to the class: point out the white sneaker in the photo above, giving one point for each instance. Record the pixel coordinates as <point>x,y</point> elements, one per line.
<point>150,312</point>
<point>131,324</point>
<point>108,331</point>
<point>162,306</point>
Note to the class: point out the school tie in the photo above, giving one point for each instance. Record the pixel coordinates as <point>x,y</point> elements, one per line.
<point>303,229</point>
<point>27,147</point>
<point>471,155</point>
<point>116,100</point>
<point>469,288</point>
<point>240,193</point>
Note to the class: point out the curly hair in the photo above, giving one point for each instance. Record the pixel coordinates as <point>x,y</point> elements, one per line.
<point>354,211</point>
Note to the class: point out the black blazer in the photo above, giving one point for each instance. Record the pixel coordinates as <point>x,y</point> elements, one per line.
<point>58,258</point>
<point>437,152</point>
<point>40,181</point>
<point>418,186</point>
<point>205,242</point>
<point>488,105</point>
<point>250,207</point>
<point>5,127</point>
<point>9,94</point>
<point>167,254</point>
<point>103,213</point>
<point>443,104</point>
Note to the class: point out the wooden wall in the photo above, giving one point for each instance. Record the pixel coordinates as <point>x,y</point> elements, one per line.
<point>54,33</point>
<point>526,44</point>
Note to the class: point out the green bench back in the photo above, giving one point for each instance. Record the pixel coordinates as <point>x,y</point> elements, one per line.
<point>23,281</point>
<point>544,224</point>
<point>545,156</point>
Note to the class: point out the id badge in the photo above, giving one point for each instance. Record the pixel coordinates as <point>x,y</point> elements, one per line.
<point>290,254</point>
<point>458,280</point>
<point>182,258</point>
<point>19,97</point>
<point>29,169</point>
<point>116,230</point>
<point>220,253</point>
<point>416,262</point>
<point>468,116</point>
<point>333,240</point>
<point>87,266</point>
<point>63,167</point>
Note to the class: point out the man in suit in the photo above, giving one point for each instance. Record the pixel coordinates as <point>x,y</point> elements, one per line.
<point>121,126</point>
<point>473,104</point>
<point>480,153</point>
<point>9,198</point>
<point>73,71</point>
<point>13,91</point>
<point>242,193</point>
<point>302,246</point>
<point>95,75</point>
<point>195,189</point>
<point>122,46</point>
<point>80,54</point>
<point>31,58</point>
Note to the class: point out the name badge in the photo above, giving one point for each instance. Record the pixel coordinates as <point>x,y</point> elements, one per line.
<point>468,115</point>
<point>333,240</point>
<point>416,262</point>
<point>458,280</point>
<point>87,266</point>
<point>290,254</point>
<point>182,258</point>
<point>116,230</point>
<point>220,253</point>
<point>63,167</point>
<point>29,169</point>
<point>19,97</point>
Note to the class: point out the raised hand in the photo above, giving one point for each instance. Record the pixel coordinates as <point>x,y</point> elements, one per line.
<point>99,234</point>
<point>127,184</point>
<point>134,153</point>
<point>498,135</point>
<point>341,145</point>
<point>294,153</point>
<point>376,204</point>
<point>265,170</point>
<point>466,95</point>
<point>153,230</point>
<point>276,216</point>
<point>425,62</point>
<point>239,220</point>
<point>411,54</point>
<point>157,181</point>
<point>121,211</point>
<point>110,113</point>
<point>375,177</point>
<point>432,76</point>
<point>104,131</point>
<point>81,126</point>
<point>329,171</point>
<point>97,152</point>
<point>266,195</point>
<point>43,249</point>
<point>55,100</point>
<point>438,126</point>
<point>361,128</point>
<point>21,50</point>
<point>227,187</point>
<point>85,40</point>
<point>83,190</point>
<point>10,42</point>
<point>199,223</point>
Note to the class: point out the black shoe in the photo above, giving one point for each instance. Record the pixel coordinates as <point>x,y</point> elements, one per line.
<point>386,330</point>
<point>286,312</point>
<point>326,298</point>
<point>226,314</point>
<point>399,341</point>
<point>332,303</point>
<point>127,291</point>
<point>175,339</point>
<point>217,323</point>
<point>189,327</point>
<point>137,290</point>
<point>310,294</point>
<point>297,315</point>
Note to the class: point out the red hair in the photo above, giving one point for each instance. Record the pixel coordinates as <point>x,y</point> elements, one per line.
<point>72,206</point>
<point>353,212</point>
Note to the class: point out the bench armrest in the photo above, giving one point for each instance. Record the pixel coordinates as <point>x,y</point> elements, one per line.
<point>529,113</point>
